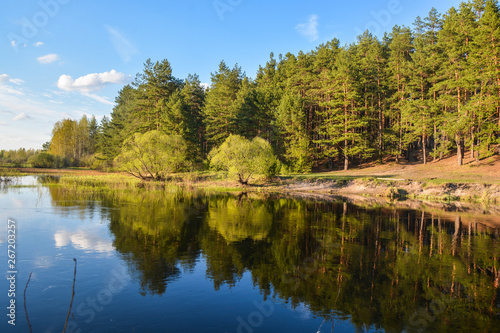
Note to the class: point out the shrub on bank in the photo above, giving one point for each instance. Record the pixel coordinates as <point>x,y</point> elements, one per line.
<point>244,158</point>
<point>42,160</point>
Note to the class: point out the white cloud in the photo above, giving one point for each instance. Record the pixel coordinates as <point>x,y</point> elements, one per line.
<point>9,90</point>
<point>91,82</point>
<point>47,59</point>
<point>6,78</point>
<point>309,29</point>
<point>21,116</point>
<point>16,81</point>
<point>13,43</point>
<point>205,85</point>
<point>57,92</point>
<point>19,102</point>
<point>3,123</point>
<point>38,44</point>
<point>15,101</point>
<point>98,98</point>
<point>122,46</point>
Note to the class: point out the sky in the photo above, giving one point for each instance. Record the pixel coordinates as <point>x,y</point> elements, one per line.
<point>68,58</point>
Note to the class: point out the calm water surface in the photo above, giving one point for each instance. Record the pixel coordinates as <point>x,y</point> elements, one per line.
<point>183,262</point>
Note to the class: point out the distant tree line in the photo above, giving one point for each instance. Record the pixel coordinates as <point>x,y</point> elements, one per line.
<point>17,157</point>
<point>433,88</point>
<point>72,144</point>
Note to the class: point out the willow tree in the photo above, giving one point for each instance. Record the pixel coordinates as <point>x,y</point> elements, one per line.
<point>153,155</point>
<point>243,158</point>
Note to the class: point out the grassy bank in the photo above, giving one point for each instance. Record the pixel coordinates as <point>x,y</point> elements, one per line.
<point>436,181</point>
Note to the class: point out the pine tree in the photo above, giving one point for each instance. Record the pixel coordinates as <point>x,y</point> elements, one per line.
<point>193,95</point>
<point>155,85</point>
<point>370,60</point>
<point>432,25</point>
<point>344,120</point>
<point>173,115</point>
<point>93,133</point>
<point>246,111</point>
<point>291,120</point>
<point>222,104</point>
<point>400,46</point>
<point>418,108</point>
<point>484,66</point>
<point>456,40</point>
<point>267,98</point>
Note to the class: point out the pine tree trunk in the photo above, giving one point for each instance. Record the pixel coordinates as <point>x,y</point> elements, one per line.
<point>498,84</point>
<point>472,152</point>
<point>346,159</point>
<point>330,163</point>
<point>435,141</point>
<point>400,148</point>
<point>380,148</point>
<point>424,150</point>
<point>477,153</point>
<point>460,156</point>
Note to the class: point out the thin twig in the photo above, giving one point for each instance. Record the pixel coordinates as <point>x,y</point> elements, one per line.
<point>333,315</point>
<point>319,329</point>
<point>72,297</point>
<point>25,308</point>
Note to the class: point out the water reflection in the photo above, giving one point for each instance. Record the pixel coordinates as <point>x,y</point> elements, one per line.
<point>237,219</point>
<point>83,240</point>
<point>396,270</point>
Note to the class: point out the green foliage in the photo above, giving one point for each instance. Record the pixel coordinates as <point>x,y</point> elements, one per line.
<point>16,158</point>
<point>151,156</point>
<point>154,87</point>
<point>229,106</point>
<point>42,160</point>
<point>291,120</point>
<point>156,101</point>
<point>73,140</point>
<point>193,96</point>
<point>433,88</point>
<point>244,158</point>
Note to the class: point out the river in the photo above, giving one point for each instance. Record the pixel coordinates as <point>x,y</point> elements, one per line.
<point>191,262</point>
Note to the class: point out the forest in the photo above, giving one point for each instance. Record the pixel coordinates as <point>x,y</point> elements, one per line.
<point>419,93</point>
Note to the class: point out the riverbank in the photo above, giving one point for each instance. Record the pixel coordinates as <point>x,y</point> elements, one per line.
<point>399,189</point>
<point>436,181</point>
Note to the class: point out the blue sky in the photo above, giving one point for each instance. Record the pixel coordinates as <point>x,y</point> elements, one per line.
<point>66,58</point>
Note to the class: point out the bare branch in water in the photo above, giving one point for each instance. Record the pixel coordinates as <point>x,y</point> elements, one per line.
<point>72,297</point>
<point>25,308</point>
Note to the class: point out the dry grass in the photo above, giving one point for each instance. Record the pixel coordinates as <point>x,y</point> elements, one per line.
<point>445,171</point>
<point>56,172</point>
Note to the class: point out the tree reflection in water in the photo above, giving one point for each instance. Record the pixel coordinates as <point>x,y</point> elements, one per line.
<point>397,270</point>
